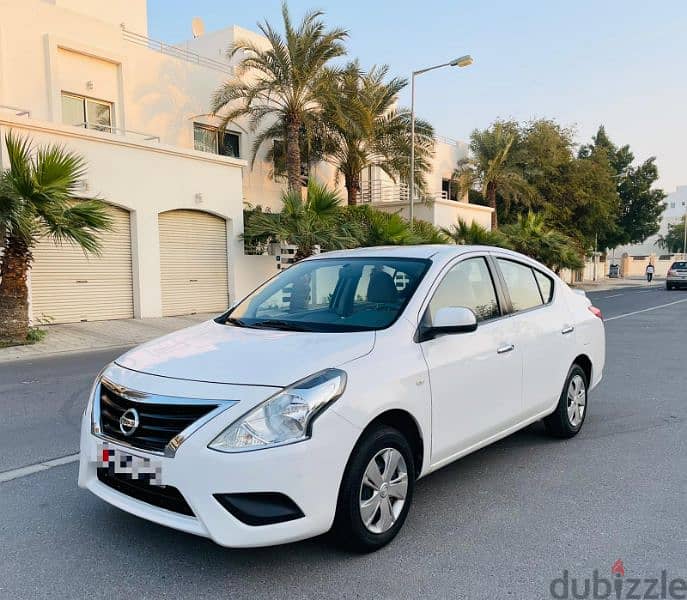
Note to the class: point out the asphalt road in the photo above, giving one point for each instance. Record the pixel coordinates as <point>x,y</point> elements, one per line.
<point>501,523</point>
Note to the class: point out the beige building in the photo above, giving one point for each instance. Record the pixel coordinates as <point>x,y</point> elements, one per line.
<point>84,74</point>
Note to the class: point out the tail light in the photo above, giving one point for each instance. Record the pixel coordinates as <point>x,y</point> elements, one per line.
<point>596,312</point>
<point>671,273</point>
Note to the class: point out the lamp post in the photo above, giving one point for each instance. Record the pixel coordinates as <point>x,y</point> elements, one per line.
<point>463,61</point>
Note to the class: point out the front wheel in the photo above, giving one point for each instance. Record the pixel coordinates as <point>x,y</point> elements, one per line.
<point>376,491</point>
<point>568,418</point>
<point>669,286</point>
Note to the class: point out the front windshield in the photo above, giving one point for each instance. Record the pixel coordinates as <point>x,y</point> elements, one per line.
<point>332,295</point>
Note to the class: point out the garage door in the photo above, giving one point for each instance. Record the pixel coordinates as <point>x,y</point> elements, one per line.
<point>193,262</point>
<point>68,286</point>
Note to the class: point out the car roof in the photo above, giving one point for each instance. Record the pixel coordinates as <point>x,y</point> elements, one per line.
<point>434,252</point>
<point>437,251</point>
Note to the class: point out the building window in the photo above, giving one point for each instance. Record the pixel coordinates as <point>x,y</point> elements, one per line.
<point>211,139</point>
<point>80,111</point>
<point>449,190</point>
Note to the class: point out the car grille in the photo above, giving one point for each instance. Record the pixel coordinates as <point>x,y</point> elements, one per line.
<point>158,422</point>
<point>162,496</point>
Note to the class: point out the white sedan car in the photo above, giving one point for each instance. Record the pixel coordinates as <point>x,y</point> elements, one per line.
<point>318,401</point>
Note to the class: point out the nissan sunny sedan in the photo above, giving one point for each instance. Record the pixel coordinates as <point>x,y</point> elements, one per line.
<point>318,401</point>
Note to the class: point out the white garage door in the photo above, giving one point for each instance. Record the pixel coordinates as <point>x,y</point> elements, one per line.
<point>193,262</point>
<point>68,286</point>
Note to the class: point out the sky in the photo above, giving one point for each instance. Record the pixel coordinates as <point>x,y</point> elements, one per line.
<point>584,63</point>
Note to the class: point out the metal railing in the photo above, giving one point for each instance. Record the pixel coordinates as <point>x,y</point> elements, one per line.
<point>379,191</point>
<point>446,140</point>
<point>175,51</point>
<point>19,112</point>
<point>148,137</point>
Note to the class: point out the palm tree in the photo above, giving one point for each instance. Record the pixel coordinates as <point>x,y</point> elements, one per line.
<point>533,237</point>
<point>492,167</point>
<point>284,82</point>
<point>475,234</point>
<point>364,128</point>
<point>306,223</point>
<point>37,200</point>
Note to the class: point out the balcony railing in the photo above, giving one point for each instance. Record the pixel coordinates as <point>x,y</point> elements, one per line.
<point>175,51</point>
<point>379,192</point>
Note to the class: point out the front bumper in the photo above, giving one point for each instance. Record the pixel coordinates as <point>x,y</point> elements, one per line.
<point>308,472</point>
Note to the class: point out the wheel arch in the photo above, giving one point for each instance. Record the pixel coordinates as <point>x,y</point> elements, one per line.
<point>407,425</point>
<point>585,363</point>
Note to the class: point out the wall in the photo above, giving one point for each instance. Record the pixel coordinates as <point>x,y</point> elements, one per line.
<point>252,272</point>
<point>146,179</point>
<point>635,266</point>
<point>442,213</point>
<point>132,13</point>
<point>447,153</point>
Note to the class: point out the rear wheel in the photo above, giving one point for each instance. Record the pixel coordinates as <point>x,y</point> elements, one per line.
<point>568,418</point>
<point>376,491</point>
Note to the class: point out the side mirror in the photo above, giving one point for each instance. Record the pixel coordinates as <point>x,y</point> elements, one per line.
<point>450,319</point>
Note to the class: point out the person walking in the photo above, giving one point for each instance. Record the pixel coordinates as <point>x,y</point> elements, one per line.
<point>649,272</point>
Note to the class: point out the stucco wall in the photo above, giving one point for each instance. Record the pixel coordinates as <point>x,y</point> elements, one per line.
<point>146,179</point>
<point>443,213</point>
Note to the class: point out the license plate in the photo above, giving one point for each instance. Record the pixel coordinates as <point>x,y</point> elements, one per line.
<point>129,466</point>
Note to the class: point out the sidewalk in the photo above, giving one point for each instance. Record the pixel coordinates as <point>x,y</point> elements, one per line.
<point>98,335</point>
<point>606,284</point>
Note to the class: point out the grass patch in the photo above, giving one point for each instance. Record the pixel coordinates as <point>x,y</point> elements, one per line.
<point>35,334</point>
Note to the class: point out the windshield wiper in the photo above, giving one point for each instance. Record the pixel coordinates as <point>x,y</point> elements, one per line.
<point>235,321</point>
<point>278,324</point>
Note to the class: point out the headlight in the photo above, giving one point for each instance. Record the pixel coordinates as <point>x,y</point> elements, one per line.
<point>285,417</point>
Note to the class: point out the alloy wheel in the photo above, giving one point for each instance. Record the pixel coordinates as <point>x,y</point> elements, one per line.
<point>383,490</point>
<point>577,400</point>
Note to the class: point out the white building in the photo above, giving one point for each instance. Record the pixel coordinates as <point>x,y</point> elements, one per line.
<point>84,74</point>
<point>676,208</point>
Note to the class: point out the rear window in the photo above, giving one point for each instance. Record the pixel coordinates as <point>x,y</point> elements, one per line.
<point>545,286</point>
<point>680,266</point>
<point>522,285</point>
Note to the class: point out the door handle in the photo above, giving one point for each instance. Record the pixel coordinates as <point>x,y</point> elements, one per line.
<point>567,329</point>
<point>506,348</point>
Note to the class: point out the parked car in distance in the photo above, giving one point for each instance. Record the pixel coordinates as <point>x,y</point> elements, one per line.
<point>319,400</point>
<point>677,275</point>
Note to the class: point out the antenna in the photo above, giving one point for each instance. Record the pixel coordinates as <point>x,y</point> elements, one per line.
<point>197,27</point>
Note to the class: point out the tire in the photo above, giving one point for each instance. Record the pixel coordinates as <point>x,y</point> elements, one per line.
<point>383,445</point>
<point>566,421</point>
<point>669,286</point>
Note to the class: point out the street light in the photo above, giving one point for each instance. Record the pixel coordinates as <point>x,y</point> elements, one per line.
<point>462,61</point>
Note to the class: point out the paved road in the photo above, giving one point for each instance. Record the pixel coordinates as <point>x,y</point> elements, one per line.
<point>501,523</point>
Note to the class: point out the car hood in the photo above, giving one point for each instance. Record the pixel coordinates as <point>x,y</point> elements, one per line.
<point>239,355</point>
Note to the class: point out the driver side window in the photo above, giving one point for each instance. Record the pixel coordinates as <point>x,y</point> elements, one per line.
<point>467,284</point>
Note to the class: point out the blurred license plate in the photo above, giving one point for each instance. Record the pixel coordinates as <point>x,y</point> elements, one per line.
<point>129,466</point>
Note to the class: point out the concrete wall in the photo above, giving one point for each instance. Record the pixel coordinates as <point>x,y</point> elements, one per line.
<point>252,272</point>
<point>148,178</point>
<point>442,213</point>
<point>634,266</point>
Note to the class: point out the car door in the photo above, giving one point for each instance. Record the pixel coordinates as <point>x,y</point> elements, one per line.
<point>543,332</point>
<point>475,377</point>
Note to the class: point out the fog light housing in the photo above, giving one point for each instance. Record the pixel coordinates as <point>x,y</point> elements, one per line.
<point>260,508</point>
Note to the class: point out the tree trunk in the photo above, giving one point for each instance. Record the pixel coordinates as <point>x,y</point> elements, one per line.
<point>293,155</point>
<point>491,201</point>
<point>14,293</point>
<point>352,188</point>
